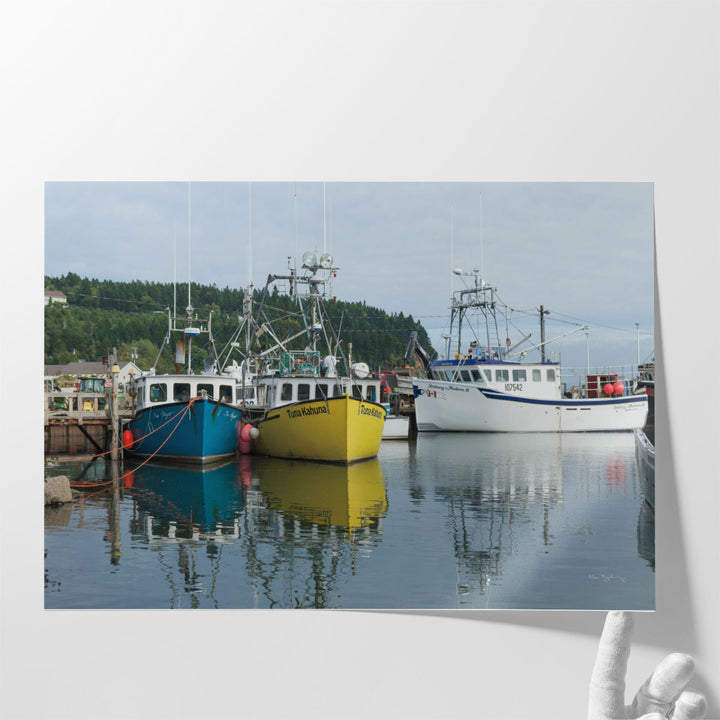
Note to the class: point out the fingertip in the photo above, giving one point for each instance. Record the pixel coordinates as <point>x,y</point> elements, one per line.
<point>691,705</point>
<point>675,669</point>
<point>618,623</point>
<point>683,663</point>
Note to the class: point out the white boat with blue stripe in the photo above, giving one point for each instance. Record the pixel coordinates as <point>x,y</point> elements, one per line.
<point>485,390</point>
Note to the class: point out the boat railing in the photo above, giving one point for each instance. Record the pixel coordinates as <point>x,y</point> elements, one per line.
<point>75,405</point>
<point>593,382</point>
<point>299,362</point>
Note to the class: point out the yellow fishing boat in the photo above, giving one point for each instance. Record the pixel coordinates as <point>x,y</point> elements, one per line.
<point>337,429</point>
<point>302,407</point>
<point>350,497</point>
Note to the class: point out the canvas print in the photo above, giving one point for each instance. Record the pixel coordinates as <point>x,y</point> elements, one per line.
<point>349,395</point>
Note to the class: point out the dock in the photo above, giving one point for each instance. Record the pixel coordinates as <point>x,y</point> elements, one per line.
<point>77,423</point>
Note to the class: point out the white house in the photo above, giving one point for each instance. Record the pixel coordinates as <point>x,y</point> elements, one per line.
<point>55,296</point>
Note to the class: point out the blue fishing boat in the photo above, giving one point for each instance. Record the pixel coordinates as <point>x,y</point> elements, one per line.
<point>183,416</point>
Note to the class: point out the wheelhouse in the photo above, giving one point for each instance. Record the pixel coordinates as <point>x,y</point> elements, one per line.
<point>539,380</point>
<point>280,390</point>
<point>166,389</point>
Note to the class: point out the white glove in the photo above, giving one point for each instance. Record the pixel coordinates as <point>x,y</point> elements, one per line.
<point>664,695</point>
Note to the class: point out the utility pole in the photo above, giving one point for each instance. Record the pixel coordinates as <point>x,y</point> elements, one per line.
<point>114,419</point>
<point>543,313</point>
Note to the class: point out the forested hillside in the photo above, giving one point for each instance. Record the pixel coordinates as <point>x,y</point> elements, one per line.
<point>132,316</point>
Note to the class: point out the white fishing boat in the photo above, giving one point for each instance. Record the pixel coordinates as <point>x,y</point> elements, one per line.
<point>486,390</point>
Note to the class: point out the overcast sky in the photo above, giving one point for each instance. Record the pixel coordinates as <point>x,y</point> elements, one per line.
<point>583,250</point>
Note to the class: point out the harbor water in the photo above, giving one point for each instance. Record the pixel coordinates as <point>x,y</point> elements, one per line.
<point>444,521</point>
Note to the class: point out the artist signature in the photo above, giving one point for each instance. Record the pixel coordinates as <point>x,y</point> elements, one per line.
<point>606,578</point>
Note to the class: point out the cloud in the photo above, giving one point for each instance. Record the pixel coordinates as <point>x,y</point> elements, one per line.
<point>583,250</point>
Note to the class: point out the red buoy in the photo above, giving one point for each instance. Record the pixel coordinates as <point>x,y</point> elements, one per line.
<point>128,439</point>
<point>608,388</point>
<point>619,388</point>
<point>245,438</point>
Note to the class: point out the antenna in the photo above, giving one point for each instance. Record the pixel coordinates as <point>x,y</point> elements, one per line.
<point>249,234</point>
<point>189,307</point>
<point>174,270</point>
<point>324,222</point>
<point>452,249</point>
<point>482,261</point>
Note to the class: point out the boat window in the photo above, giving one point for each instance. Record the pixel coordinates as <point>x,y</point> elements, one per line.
<point>141,396</point>
<point>249,393</point>
<point>158,392</point>
<point>519,376</point>
<point>502,376</point>
<point>226,393</point>
<point>536,375</point>
<point>357,392</point>
<point>475,375</point>
<point>465,375</point>
<point>551,375</point>
<point>370,393</point>
<point>181,392</point>
<point>321,391</point>
<point>303,391</point>
<point>339,390</point>
<point>286,391</point>
<point>209,389</point>
<point>487,374</point>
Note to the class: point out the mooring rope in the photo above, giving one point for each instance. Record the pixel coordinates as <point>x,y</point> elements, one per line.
<point>179,415</point>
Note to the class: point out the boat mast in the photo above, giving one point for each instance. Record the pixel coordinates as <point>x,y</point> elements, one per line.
<point>543,313</point>
<point>249,234</point>
<point>189,307</point>
<point>174,271</point>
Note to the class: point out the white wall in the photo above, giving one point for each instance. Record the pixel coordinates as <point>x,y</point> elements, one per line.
<point>524,90</point>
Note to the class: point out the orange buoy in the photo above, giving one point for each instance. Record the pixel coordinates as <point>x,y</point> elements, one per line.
<point>619,388</point>
<point>608,388</point>
<point>128,439</point>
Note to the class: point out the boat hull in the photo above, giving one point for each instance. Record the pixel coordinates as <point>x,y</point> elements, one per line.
<point>397,427</point>
<point>200,432</point>
<point>341,429</point>
<point>464,407</point>
<point>645,455</point>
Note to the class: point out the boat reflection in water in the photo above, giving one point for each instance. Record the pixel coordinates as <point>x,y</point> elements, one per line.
<point>450,520</point>
<point>349,497</point>
<point>294,526</point>
<point>315,525</point>
<point>534,519</point>
<point>186,501</point>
